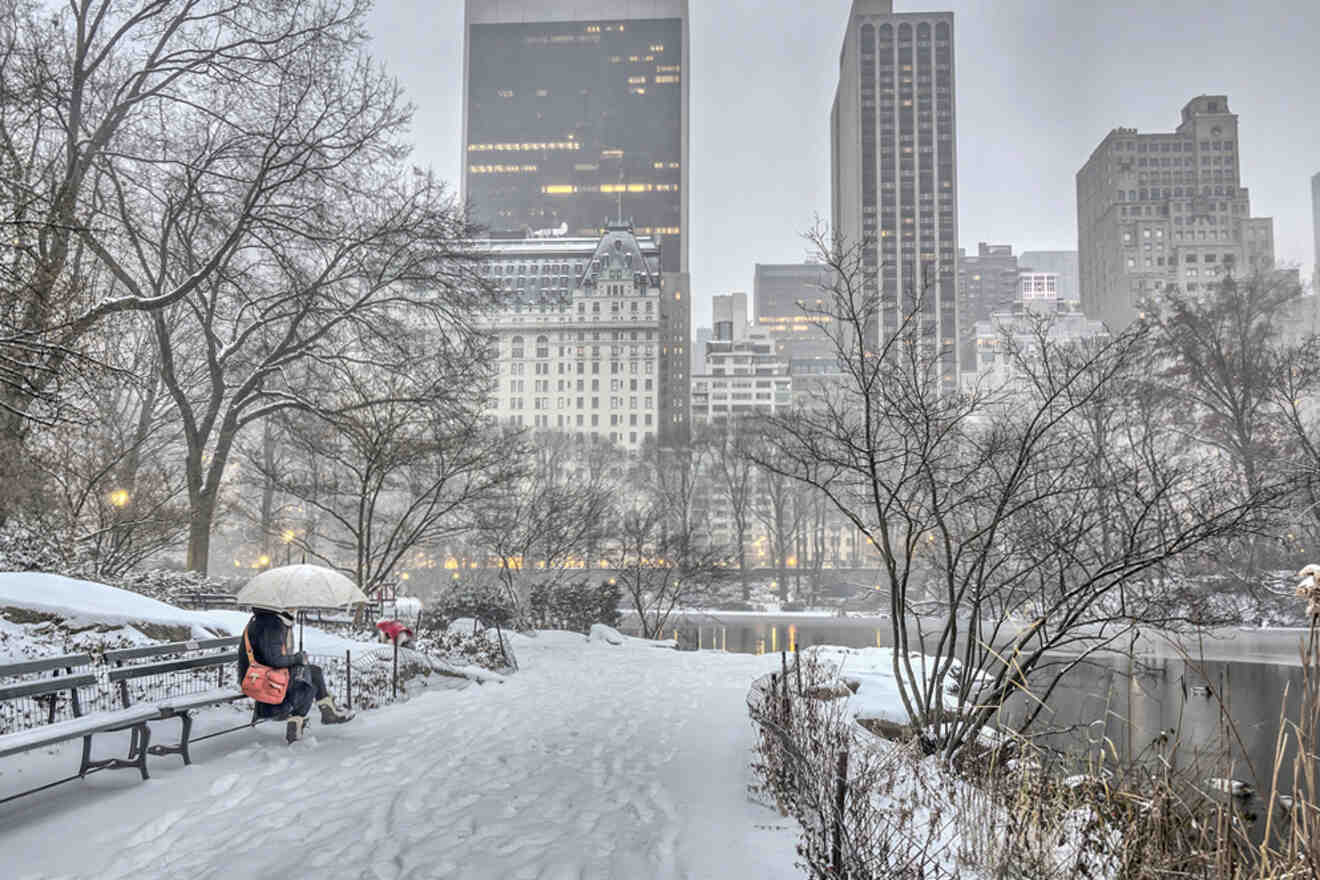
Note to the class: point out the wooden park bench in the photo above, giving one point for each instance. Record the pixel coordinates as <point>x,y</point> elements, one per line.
<point>46,730</point>
<point>218,660</point>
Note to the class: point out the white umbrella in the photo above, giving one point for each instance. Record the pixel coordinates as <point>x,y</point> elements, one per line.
<point>300,586</point>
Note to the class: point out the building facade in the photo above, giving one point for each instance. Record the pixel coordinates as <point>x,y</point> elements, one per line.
<point>583,332</point>
<point>1060,263</point>
<point>575,113</point>
<point>1315,230</point>
<point>894,169</point>
<point>1160,210</point>
<point>785,297</point>
<point>729,317</point>
<point>987,283</point>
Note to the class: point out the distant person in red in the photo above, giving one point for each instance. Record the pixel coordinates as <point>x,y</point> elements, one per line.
<point>270,632</point>
<point>393,630</point>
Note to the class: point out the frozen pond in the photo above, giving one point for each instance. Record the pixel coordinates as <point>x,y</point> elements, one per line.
<point>1115,704</point>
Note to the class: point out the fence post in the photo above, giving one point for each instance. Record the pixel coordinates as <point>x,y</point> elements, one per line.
<point>840,794</point>
<point>797,666</point>
<point>394,689</point>
<point>783,663</point>
<point>348,679</point>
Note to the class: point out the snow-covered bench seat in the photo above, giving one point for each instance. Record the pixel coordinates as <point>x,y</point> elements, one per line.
<point>218,657</point>
<point>47,688</point>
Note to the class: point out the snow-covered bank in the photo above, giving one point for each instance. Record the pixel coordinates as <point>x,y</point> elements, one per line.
<point>595,760</point>
<point>43,614</point>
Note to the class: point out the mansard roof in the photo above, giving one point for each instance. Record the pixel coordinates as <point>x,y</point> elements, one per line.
<point>619,256</point>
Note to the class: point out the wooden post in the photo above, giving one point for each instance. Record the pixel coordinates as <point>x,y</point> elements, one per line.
<point>797,665</point>
<point>394,689</point>
<point>840,796</point>
<point>348,680</point>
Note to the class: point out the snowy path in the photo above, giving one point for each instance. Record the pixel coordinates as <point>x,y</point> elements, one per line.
<point>593,762</point>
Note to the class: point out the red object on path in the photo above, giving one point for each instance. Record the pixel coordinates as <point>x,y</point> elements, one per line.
<point>393,629</point>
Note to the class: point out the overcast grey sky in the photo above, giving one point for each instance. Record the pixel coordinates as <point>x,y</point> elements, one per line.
<point>1039,82</point>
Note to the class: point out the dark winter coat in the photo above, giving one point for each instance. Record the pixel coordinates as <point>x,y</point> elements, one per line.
<point>272,645</point>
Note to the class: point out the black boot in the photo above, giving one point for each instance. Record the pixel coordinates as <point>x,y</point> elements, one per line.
<point>293,728</point>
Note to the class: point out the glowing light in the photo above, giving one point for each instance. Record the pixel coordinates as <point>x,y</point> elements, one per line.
<point>119,497</point>
<point>263,561</point>
<point>288,536</point>
<point>403,576</point>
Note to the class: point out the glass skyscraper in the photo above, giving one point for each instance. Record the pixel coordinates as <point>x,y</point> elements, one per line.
<point>576,113</point>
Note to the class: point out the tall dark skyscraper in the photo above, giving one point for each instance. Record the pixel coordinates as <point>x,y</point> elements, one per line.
<point>894,166</point>
<point>572,107</point>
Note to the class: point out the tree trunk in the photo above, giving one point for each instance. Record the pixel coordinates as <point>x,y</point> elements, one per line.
<point>199,532</point>
<point>267,488</point>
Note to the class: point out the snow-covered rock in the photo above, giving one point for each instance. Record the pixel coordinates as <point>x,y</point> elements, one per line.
<point>607,634</point>
<point>27,597</point>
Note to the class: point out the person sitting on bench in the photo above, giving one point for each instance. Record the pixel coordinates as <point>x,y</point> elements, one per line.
<point>270,632</point>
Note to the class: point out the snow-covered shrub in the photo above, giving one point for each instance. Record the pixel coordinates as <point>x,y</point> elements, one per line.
<point>172,586</point>
<point>574,606</point>
<point>483,600</point>
<point>488,647</point>
<point>32,546</point>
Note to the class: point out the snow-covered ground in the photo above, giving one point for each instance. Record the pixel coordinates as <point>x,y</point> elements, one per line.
<point>594,760</point>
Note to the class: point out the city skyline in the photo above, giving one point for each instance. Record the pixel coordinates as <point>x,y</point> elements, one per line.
<point>1018,158</point>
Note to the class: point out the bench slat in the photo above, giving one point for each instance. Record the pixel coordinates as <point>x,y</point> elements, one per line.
<point>46,686</point>
<point>126,673</point>
<point>49,734</point>
<point>171,648</point>
<point>205,698</point>
<point>63,661</point>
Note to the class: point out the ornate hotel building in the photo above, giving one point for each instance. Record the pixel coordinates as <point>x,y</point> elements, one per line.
<point>587,336</point>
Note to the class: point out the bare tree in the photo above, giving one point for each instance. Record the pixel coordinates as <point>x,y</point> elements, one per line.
<point>777,505</point>
<point>661,547</point>
<point>406,459</point>
<point>107,484</point>
<point>126,128</point>
<point>546,524</point>
<point>734,487</point>
<point>1223,352</point>
<point>987,500</point>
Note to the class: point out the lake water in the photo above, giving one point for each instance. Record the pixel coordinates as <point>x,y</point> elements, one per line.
<point>1116,705</point>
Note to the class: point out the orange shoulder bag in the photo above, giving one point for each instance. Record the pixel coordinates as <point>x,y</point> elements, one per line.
<point>265,684</point>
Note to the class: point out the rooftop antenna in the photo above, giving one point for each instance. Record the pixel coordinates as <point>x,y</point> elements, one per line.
<point>620,192</point>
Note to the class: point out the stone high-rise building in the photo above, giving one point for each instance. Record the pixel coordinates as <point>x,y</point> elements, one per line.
<point>570,109</point>
<point>1156,210</point>
<point>894,168</point>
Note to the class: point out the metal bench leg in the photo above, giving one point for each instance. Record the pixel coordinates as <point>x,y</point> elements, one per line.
<point>144,741</point>
<point>185,739</point>
<point>86,756</point>
<point>141,736</point>
<point>132,744</point>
